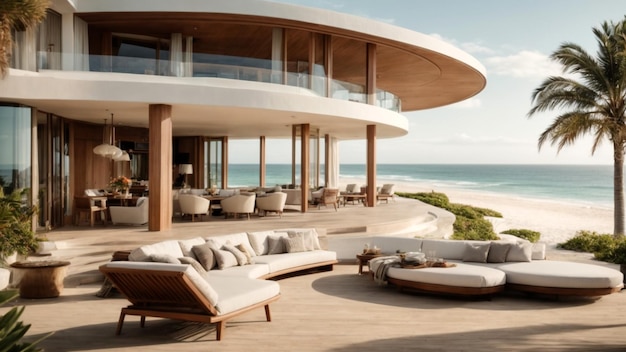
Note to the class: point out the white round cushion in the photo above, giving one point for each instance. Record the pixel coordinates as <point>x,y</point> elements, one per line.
<point>553,273</point>
<point>462,275</point>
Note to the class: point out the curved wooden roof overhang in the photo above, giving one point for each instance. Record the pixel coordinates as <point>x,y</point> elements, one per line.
<point>421,75</point>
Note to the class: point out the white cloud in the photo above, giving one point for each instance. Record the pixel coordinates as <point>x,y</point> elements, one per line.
<point>470,47</point>
<point>471,103</point>
<point>523,64</point>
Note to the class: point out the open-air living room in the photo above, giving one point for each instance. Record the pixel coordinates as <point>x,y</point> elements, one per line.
<point>336,310</point>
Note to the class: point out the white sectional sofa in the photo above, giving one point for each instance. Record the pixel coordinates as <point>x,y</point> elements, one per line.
<point>485,268</point>
<point>216,277</point>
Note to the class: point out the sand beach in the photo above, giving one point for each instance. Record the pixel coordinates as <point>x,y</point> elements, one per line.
<point>556,220</point>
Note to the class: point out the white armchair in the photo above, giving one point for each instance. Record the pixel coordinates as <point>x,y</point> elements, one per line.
<point>193,205</point>
<point>274,202</point>
<point>238,204</point>
<point>137,215</point>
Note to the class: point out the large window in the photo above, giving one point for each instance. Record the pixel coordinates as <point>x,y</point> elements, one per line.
<point>15,148</point>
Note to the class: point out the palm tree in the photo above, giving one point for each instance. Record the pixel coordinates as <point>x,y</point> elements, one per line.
<point>593,102</point>
<point>20,15</point>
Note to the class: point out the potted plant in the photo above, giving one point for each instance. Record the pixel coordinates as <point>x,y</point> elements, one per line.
<point>16,231</point>
<point>120,184</point>
<point>13,329</point>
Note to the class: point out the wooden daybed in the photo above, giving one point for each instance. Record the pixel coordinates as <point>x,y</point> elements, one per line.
<point>176,293</point>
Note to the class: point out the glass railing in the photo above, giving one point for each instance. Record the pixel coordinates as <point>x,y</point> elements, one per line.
<point>229,67</point>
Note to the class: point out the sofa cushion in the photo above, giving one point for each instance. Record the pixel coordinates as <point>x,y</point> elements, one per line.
<point>448,249</point>
<point>279,262</point>
<point>389,244</point>
<point>241,258</point>
<point>204,254</point>
<point>142,254</point>
<point>164,258</point>
<point>194,263</point>
<point>310,237</point>
<point>234,239</point>
<point>539,251</point>
<point>520,252</point>
<point>243,250</point>
<point>294,244</point>
<point>275,244</point>
<point>498,252</point>
<point>553,273</point>
<point>223,258</point>
<point>186,245</point>
<point>476,252</point>
<point>462,275</point>
<point>258,241</point>
<point>252,271</point>
<point>236,292</point>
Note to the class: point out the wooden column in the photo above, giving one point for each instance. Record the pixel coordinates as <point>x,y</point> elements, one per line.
<point>304,165</point>
<point>160,167</point>
<point>262,166</point>
<point>371,165</point>
<point>327,161</point>
<point>225,163</point>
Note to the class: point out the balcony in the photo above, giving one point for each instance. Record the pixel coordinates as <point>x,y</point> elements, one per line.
<point>225,67</point>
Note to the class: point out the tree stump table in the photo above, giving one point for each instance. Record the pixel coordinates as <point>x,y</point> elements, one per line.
<point>41,279</point>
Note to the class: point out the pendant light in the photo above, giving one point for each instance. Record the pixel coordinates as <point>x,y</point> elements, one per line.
<point>105,149</point>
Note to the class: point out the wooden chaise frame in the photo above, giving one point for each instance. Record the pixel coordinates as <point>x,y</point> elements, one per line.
<point>445,289</point>
<point>563,291</point>
<point>169,294</point>
<point>479,291</point>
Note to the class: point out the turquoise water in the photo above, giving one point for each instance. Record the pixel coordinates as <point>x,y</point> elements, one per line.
<point>587,184</point>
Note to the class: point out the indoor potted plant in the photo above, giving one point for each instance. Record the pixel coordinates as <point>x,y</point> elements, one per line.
<point>120,184</point>
<point>16,230</point>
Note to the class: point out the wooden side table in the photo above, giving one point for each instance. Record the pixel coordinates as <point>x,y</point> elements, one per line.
<point>41,279</point>
<point>363,259</point>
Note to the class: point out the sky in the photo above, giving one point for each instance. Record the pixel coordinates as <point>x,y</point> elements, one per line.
<point>513,39</point>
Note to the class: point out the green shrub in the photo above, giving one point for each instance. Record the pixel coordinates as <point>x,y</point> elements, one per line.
<point>465,211</point>
<point>470,221</point>
<point>12,330</point>
<point>488,212</point>
<point>473,229</point>
<point>439,200</point>
<point>604,247</point>
<point>532,236</point>
<point>589,241</point>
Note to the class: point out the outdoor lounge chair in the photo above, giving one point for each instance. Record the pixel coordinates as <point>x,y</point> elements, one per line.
<point>178,291</point>
<point>330,196</point>
<point>386,192</point>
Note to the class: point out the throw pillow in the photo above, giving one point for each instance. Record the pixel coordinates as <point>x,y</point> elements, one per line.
<point>164,258</point>
<point>294,244</point>
<point>204,253</point>
<point>476,252</point>
<point>498,252</point>
<point>241,258</point>
<point>308,238</point>
<point>275,245</point>
<point>194,263</point>
<point>224,258</point>
<point>243,250</point>
<point>520,252</point>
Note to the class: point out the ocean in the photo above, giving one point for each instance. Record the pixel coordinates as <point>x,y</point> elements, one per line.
<point>585,184</point>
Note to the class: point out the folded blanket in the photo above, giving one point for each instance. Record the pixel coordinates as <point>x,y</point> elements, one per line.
<point>379,266</point>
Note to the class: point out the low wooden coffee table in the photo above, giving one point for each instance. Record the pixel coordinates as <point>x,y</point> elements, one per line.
<point>41,279</point>
<point>363,259</point>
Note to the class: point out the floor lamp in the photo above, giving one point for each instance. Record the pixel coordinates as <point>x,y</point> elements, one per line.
<point>185,169</point>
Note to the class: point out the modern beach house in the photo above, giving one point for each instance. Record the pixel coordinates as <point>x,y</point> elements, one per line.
<point>172,82</point>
